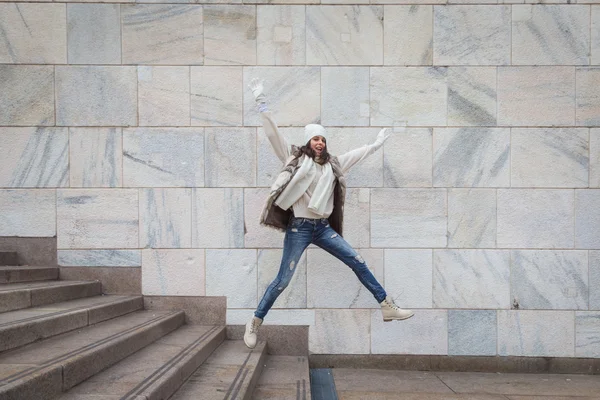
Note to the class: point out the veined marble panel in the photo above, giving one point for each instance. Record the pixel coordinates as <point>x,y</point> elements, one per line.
<point>357,230</point>
<point>369,171</point>
<point>255,234</point>
<point>471,35</point>
<point>472,96</point>
<point>230,157</point>
<point>217,218</point>
<point>408,35</point>
<point>587,219</point>
<point>550,34</point>
<point>535,218</point>
<point>550,279</point>
<point>595,157</point>
<point>97,219</point>
<point>33,33</point>
<point>159,157</point>
<point>471,157</point>
<point>408,277</point>
<point>34,157</point>
<point>587,334</point>
<point>531,333</point>
<point>344,35</point>
<point>408,218</point>
<point>588,96</point>
<point>164,96</point>
<point>533,96</point>
<point>232,273</point>
<point>162,34</point>
<point>345,104</point>
<point>100,258</point>
<point>229,35</point>
<point>471,279</point>
<point>407,158</point>
<point>26,95</point>
<point>293,95</point>
<point>548,157</point>
<point>96,96</point>
<point>95,157</point>
<point>332,284</point>
<point>275,317</point>
<point>173,272</point>
<point>425,333</point>
<point>28,213</point>
<point>340,332</point>
<point>472,332</point>
<point>408,96</point>
<point>595,28</point>
<point>216,94</point>
<point>281,35</point>
<point>472,218</point>
<point>94,33</point>
<point>269,165</point>
<point>269,261</point>
<point>165,218</point>
<point>594,285</point>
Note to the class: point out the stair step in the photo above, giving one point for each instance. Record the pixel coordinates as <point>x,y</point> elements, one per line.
<point>21,327</point>
<point>9,258</point>
<point>156,371</point>
<point>229,373</point>
<point>16,296</point>
<point>44,369</point>
<point>284,377</point>
<point>27,274</point>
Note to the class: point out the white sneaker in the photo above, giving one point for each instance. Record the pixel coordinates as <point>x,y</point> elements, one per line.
<point>392,312</point>
<point>250,337</point>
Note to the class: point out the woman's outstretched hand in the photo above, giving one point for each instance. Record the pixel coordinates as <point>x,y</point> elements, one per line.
<point>256,85</point>
<point>381,137</point>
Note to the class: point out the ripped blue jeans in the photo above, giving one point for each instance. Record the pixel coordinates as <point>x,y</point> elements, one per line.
<point>299,234</point>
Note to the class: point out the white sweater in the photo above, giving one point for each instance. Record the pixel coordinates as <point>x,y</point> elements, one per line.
<point>283,151</point>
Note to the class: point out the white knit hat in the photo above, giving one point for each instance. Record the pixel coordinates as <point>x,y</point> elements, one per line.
<point>312,130</point>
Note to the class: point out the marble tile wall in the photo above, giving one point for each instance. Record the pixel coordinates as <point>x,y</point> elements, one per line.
<point>128,132</point>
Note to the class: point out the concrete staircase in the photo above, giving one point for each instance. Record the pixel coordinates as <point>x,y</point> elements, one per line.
<point>66,340</point>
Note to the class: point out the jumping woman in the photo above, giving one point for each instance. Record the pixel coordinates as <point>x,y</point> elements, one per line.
<point>307,203</point>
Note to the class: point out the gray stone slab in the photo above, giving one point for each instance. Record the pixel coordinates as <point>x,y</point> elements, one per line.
<point>284,340</point>
<point>9,258</point>
<point>173,272</point>
<point>471,35</point>
<point>594,283</point>
<point>34,157</point>
<point>228,273</point>
<point>216,96</point>
<point>28,212</point>
<point>472,96</point>
<point>69,291</point>
<point>343,104</point>
<point>96,96</point>
<point>123,280</point>
<point>281,35</point>
<point>386,381</point>
<point>566,27</point>
<point>588,99</point>
<point>99,258</point>
<point>32,250</point>
<point>344,35</point>
<point>163,157</point>
<point>472,332</point>
<point>164,96</point>
<point>33,33</point>
<point>471,157</point>
<point>199,310</point>
<point>95,157</point>
<point>94,33</point>
<point>284,377</point>
<point>587,219</point>
<point>587,334</point>
<point>218,217</point>
<point>522,384</point>
<point>168,34</point>
<point>232,369</point>
<point>230,157</point>
<point>26,94</point>
<point>407,158</point>
<point>472,218</point>
<point>594,158</point>
<point>408,35</point>
<point>549,279</point>
<point>165,218</point>
<point>230,35</point>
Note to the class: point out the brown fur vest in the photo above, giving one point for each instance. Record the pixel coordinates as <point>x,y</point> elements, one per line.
<point>277,218</point>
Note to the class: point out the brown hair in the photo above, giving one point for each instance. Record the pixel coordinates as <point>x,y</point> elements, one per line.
<point>306,149</point>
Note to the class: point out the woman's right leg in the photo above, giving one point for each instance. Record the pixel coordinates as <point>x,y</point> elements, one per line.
<point>297,238</point>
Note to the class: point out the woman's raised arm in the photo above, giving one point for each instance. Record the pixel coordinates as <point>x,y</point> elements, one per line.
<point>280,145</point>
<point>353,157</point>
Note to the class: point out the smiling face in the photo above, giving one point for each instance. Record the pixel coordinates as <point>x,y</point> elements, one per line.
<point>318,144</point>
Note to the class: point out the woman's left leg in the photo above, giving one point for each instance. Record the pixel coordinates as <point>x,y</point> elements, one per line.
<point>330,241</point>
